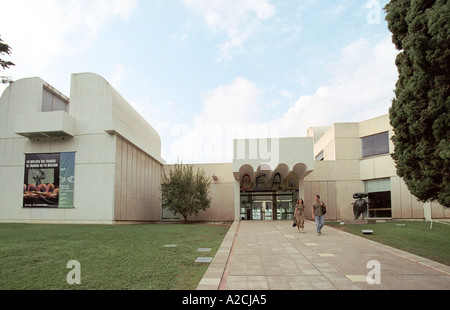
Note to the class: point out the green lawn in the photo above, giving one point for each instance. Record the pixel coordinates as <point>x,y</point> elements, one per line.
<point>413,237</point>
<point>122,257</point>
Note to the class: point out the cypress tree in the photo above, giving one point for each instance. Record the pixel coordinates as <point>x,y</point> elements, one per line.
<point>420,111</point>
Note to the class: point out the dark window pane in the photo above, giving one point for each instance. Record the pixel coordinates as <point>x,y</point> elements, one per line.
<point>375,145</point>
<point>60,105</point>
<point>47,101</point>
<point>380,204</point>
<point>52,102</point>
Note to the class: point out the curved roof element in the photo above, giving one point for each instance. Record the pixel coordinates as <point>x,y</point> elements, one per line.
<point>94,107</point>
<point>273,155</point>
<point>98,107</point>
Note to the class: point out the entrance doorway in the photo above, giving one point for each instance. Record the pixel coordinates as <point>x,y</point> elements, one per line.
<point>268,205</point>
<point>261,210</point>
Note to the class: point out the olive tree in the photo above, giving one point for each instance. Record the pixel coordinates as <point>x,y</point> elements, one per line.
<point>184,191</point>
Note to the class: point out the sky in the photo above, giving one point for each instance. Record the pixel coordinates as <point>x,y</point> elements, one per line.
<point>205,72</point>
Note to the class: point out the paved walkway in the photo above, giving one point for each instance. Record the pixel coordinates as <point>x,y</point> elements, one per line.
<point>272,255</point>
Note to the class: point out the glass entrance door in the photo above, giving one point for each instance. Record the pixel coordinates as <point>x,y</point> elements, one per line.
<point>261,210</point>
<point>256,210</point>
<point>260,205</point>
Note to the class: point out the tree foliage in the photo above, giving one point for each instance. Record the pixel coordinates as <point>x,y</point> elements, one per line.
<point>184,191</point>
<point>420,111</point>
<point>5,49</point>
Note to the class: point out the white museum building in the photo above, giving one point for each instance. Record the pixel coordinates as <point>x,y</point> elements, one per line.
<point>91,158</point>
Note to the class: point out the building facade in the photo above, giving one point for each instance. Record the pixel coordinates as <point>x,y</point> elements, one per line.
<point>355,157</point>
<point>113,154</point>
<point>92,158</point>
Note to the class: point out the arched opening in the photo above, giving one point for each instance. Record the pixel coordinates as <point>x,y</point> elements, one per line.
<point>267,194</point>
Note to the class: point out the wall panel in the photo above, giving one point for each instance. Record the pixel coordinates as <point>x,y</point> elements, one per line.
<point>137,188</point>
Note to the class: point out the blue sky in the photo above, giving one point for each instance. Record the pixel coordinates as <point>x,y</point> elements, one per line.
<point>204,72</point>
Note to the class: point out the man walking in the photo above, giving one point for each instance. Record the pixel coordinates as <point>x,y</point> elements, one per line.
<point>317,213</point>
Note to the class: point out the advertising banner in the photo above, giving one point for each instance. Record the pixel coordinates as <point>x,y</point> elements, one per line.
<point>48,181</point>
<point>66,180</point>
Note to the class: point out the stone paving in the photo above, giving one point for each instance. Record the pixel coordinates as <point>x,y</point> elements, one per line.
<point>272,255</point>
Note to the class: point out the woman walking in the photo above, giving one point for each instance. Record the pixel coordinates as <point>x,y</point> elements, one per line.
<point>299,215</point>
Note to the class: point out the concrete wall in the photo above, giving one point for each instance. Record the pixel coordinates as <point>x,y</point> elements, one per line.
<point>94,161</point>
<point>270,154</point>
<point>94,170</point>
<point>137,184</point>
<point>344,171</point>
<point>335,182</point>
<point>337,177</point>
<point>103,122</point>
<point>136,150</point>
<point>118,160</point>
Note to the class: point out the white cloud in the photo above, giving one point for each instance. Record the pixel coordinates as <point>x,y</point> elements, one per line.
<point>46,29</point>
<point>117,75</point>
<point>238,19</point>
<point>286,94</point>
<point>229,111</point>
<point>237,102</point>
<point>361,87</point>
<point>181,38</point>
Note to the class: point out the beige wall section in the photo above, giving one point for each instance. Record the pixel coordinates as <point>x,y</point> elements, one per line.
<point>337,177</point>
<point>335,182</point>
<point>137,184</point>
<point>288,154</point>
<point>339,142</point>
<point>222,193</point>
<point>94,160</point>
<point>343,171</point>
<point>375,125</point>
<point>99,108</point>
<point>94,175</point>
<point>98,117</point>
<point>406,206</point>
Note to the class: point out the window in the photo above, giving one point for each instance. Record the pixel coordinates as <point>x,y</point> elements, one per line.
<point>320,156</point>
<point>380,204</point>
<point>379,197</point>
<point>375,144</point>
<point>268,206</point>
<point>53,102</point>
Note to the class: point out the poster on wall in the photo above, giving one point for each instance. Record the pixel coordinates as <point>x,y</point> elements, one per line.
<point>66,180</point>
<point>48,181</point>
